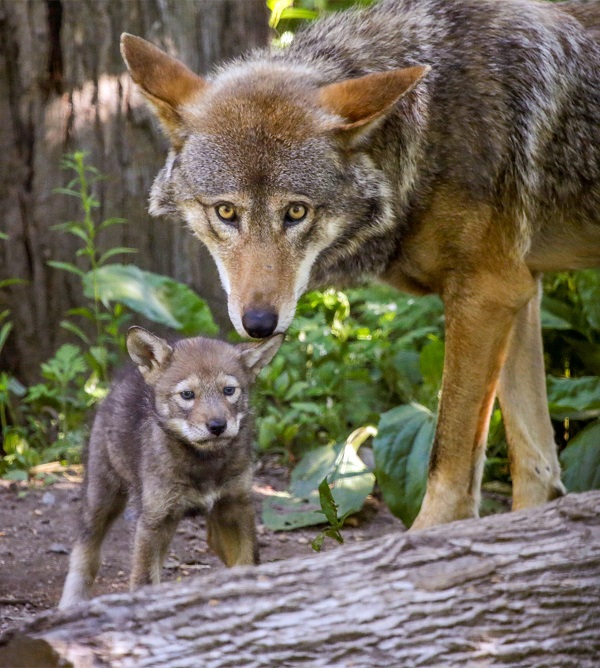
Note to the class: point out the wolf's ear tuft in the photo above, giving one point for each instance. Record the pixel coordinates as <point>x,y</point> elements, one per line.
<point>256,356</point>
<point>365,101</point>
<point>165,81</point>
<point>150,353</point>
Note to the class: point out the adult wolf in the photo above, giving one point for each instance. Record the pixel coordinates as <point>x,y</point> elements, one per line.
<point>441,145</point>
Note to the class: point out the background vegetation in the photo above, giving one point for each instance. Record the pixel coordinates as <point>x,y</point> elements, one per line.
<point>360,368</point>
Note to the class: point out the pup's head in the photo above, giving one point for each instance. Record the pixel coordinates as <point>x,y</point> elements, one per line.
<point>269,169</point>
<point>201,386</point>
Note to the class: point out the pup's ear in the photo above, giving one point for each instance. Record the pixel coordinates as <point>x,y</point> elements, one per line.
<point>165,81</point>
<point>256,356</point>
<point>366,101</point>
<point>151,353</point>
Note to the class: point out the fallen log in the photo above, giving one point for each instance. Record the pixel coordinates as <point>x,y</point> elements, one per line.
<point>521,589</point>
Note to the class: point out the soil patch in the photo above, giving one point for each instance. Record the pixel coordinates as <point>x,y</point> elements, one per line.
<point>38,526</point>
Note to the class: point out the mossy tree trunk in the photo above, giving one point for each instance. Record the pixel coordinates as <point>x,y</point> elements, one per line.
<point>63,87</point>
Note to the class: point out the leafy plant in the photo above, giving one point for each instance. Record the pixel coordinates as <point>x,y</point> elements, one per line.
<point>48,420</point>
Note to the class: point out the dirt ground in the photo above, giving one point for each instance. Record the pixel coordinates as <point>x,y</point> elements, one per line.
<point>38,525</point>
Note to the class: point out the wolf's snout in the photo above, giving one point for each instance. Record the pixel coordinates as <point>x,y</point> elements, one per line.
<point>259,323</point>
<point>217,426</point>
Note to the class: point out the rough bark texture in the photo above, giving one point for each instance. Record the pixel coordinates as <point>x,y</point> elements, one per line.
<point>521,589</point>
<point>63,87</point>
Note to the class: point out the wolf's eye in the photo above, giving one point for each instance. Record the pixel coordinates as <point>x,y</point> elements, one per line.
<point>295,214</point>
<point>226,213</point>
<point>229,391</point>
<point>188,395</point>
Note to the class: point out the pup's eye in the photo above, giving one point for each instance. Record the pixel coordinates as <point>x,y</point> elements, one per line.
<point>188,395</point>
<point>226,213</point>
<point>229,391</point>
<point>295,214</point>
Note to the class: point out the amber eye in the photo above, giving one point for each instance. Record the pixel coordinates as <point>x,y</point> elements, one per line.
<point>226,213</point>
<point>229,391</point>
<point>188,395</point>
<point>295,214</point>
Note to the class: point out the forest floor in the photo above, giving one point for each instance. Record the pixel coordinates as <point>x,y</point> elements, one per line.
<point>38,523</point>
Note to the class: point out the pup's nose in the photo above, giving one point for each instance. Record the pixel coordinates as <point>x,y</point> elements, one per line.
<point>259,323</point>
<point>217,426</point>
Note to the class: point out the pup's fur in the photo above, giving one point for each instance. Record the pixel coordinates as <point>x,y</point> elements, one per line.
<point>442,145</point>
<point>150,444</point>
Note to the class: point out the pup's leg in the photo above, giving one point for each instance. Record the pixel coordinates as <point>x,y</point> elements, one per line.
<point>522,392</point>
<point>152,540</point>
<point>232,531</point>
<point>480,312</point>
<point>103,503</point>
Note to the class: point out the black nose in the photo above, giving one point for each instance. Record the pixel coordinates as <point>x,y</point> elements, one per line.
<point>217,426</point>
<point>259,323</point>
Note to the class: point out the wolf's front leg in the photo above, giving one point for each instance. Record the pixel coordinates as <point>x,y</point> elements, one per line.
<point>152,540</point>
<point>480,312</point>
<point>232,531</point>
<point>534,465</point>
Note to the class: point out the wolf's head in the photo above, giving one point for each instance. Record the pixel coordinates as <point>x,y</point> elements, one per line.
<point>201,386</point>
<point>268,168</point>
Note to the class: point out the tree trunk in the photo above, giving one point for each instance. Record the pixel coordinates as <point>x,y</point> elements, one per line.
<point>63,87</point>
<point>520,589</point>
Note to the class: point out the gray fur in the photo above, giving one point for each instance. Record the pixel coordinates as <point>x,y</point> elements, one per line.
<point>138,452</point>
<point>509,113</point>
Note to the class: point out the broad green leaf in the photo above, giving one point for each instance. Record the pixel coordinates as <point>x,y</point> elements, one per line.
<point>401,449</point>
<point>158,298</point>
<point>557,315</point>
<point>283,511</point>
<point>581,460</point>
<point>431,363</point>
<point>575,398</point>
<point>345,474</point>
<point>588,287</point>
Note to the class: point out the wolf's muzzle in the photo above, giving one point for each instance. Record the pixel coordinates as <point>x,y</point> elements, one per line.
<point>259,323</point>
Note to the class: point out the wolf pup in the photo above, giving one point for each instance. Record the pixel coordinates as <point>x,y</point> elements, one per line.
<point>448,146</point>
<point>175,436</point>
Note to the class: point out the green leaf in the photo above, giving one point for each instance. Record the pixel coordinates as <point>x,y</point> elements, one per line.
<point>69,326</point>
<point>575,398</point>
<point>66,266</point>
<point>158,298</point>
<point>3,235</point>
<point>401,449</point>
<point>588,287</point>
<point>4,332</point>
<point>284,512</point>
<point>431,363</point>
<point>111,221</point>
<point>16,475</point>
<point>328,504</point>
<point>557,315</point>
<point>118,250</point>
<point>5,283</point>
<point>581,460</point>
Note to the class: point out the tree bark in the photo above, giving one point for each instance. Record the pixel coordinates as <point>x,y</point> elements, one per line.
<point>63,87</point>
<point>520,589</point>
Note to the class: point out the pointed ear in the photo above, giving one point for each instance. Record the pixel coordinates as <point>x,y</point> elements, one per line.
<point>165,81</point>
<point>151,353</point>
<point>256,356</point>
<point>365,101</point>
